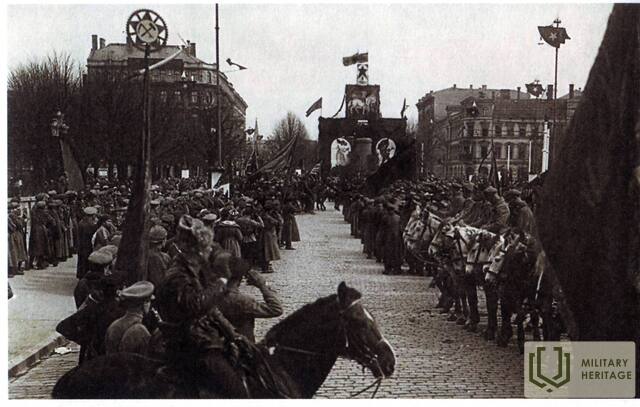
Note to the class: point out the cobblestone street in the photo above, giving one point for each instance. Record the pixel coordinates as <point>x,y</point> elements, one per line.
<point>435,358</point>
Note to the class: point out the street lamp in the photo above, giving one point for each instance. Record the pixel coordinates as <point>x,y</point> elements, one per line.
<point>58,126</point>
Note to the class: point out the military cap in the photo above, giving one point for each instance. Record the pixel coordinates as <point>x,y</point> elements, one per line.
<point>41,196</point>
<point>155,202</point>
<point>168,218</point>
<point>490,190</point>
<point>100,257</point>
<point>455,185</point>
<point>157,233</point>
<point>203,212</point>
<point>14,205</point>
<point>199,194</point>
<point>52,192</point>
<point>140,291</point>
<point>210,217</point>
<point>512,193</point>
<point>41,204</point>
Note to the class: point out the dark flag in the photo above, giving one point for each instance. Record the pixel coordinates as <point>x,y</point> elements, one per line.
<point>315,106</point>
<point>553,36</point>
<point>404,107</point>
<point>282,160</point>
<point>355,59</point>
<point>493,174</point>
<point>71,167</point>
<point>588,219</point>
<point>534,88</point>
<point>252,163</point>
<point>400,166</point>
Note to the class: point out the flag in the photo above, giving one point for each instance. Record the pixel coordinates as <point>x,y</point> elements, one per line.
<point>315,106</point>
<point>534,89</point>
<point>404,107</point>
<point>355,58</point>
<point>315,172</point>
<point>252,163</point>
<point>493,174</point>
<point>553,36</point>
<point>282,159</point>
<point>71,167</point>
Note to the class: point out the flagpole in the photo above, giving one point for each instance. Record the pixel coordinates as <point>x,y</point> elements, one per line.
<point>555,85</point>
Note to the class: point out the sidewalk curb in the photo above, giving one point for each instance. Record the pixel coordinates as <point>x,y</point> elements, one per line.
<point>21,363</point>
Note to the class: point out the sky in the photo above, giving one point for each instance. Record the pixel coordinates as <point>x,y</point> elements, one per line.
<point>294,51</point>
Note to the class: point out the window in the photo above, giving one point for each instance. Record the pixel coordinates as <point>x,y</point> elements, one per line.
<point>163,96</point>
<point>510,130</point>
<point>534,131</point>
<point>485,132</point>
<point>177,95</point>
<point>210,76</point>
<point>522,151</point>
<point>498,130</point>
<point>497,150</point>
<point>194,97</point>
<point>470,129</point>
<point>522,131</point>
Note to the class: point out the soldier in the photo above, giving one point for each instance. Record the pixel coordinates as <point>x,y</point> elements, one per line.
<point>499,211</point>
<point>393,244</point>
<point>242,309</point>
<point>128,333</point>
<point>194,327</point>
<point>158,262</point>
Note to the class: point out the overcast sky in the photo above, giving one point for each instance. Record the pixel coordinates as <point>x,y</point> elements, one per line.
<point>294,51</point>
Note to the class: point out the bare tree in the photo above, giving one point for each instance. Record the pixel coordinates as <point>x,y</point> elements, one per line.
<point>36,91</point>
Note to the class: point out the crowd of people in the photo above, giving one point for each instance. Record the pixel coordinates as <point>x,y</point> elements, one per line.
<point>203,245</point>
<point>386,226</point>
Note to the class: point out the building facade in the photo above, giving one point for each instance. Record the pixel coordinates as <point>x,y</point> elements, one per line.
<point>183,89</point>
<point>461,128</point>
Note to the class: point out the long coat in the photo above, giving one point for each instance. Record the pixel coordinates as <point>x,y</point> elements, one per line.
<point>270,247</point>
<point>392,251</point>
<point>39,236</point>
<point>17,250</point>
<point>290,232</point>
<point>229,235</point>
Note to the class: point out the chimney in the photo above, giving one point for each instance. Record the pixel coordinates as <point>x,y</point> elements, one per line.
<point>493,95</point>
<point>192,49</point>
<point>101,43</point>
<point>549,92</point>
<point>484,87</point>
<point>94,42</point>
<point>454,86</point>
<point>518,94</point>
<point>470,86</point>
<point>571,91</point>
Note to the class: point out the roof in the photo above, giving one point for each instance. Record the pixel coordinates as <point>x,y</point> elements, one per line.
<point>528,109</point>
<point>122,52</point>
<point>454,96</point>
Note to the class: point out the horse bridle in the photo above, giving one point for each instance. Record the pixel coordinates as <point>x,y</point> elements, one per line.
<point>365,356</point>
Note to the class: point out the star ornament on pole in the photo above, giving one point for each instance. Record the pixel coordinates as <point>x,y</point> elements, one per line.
<point>146,28</point>
<point>554,36</point>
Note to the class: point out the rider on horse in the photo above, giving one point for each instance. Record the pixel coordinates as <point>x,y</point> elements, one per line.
<point>196,333</point>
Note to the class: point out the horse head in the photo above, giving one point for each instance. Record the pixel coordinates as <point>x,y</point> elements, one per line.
<point>365,344</point>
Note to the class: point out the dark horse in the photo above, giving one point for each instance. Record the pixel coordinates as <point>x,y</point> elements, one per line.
<point>300,351</point>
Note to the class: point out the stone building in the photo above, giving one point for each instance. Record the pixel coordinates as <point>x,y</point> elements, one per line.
<point>186,85</point>
<point>459,127</point>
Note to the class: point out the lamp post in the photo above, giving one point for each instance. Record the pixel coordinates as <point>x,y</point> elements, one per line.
<point>58,126</point>
<point>217,170</point>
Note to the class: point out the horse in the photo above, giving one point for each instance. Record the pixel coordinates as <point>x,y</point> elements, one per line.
<point>453,243</point>
<point>298,352</point>
<point>479,257</point>
<point>524,290</point>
